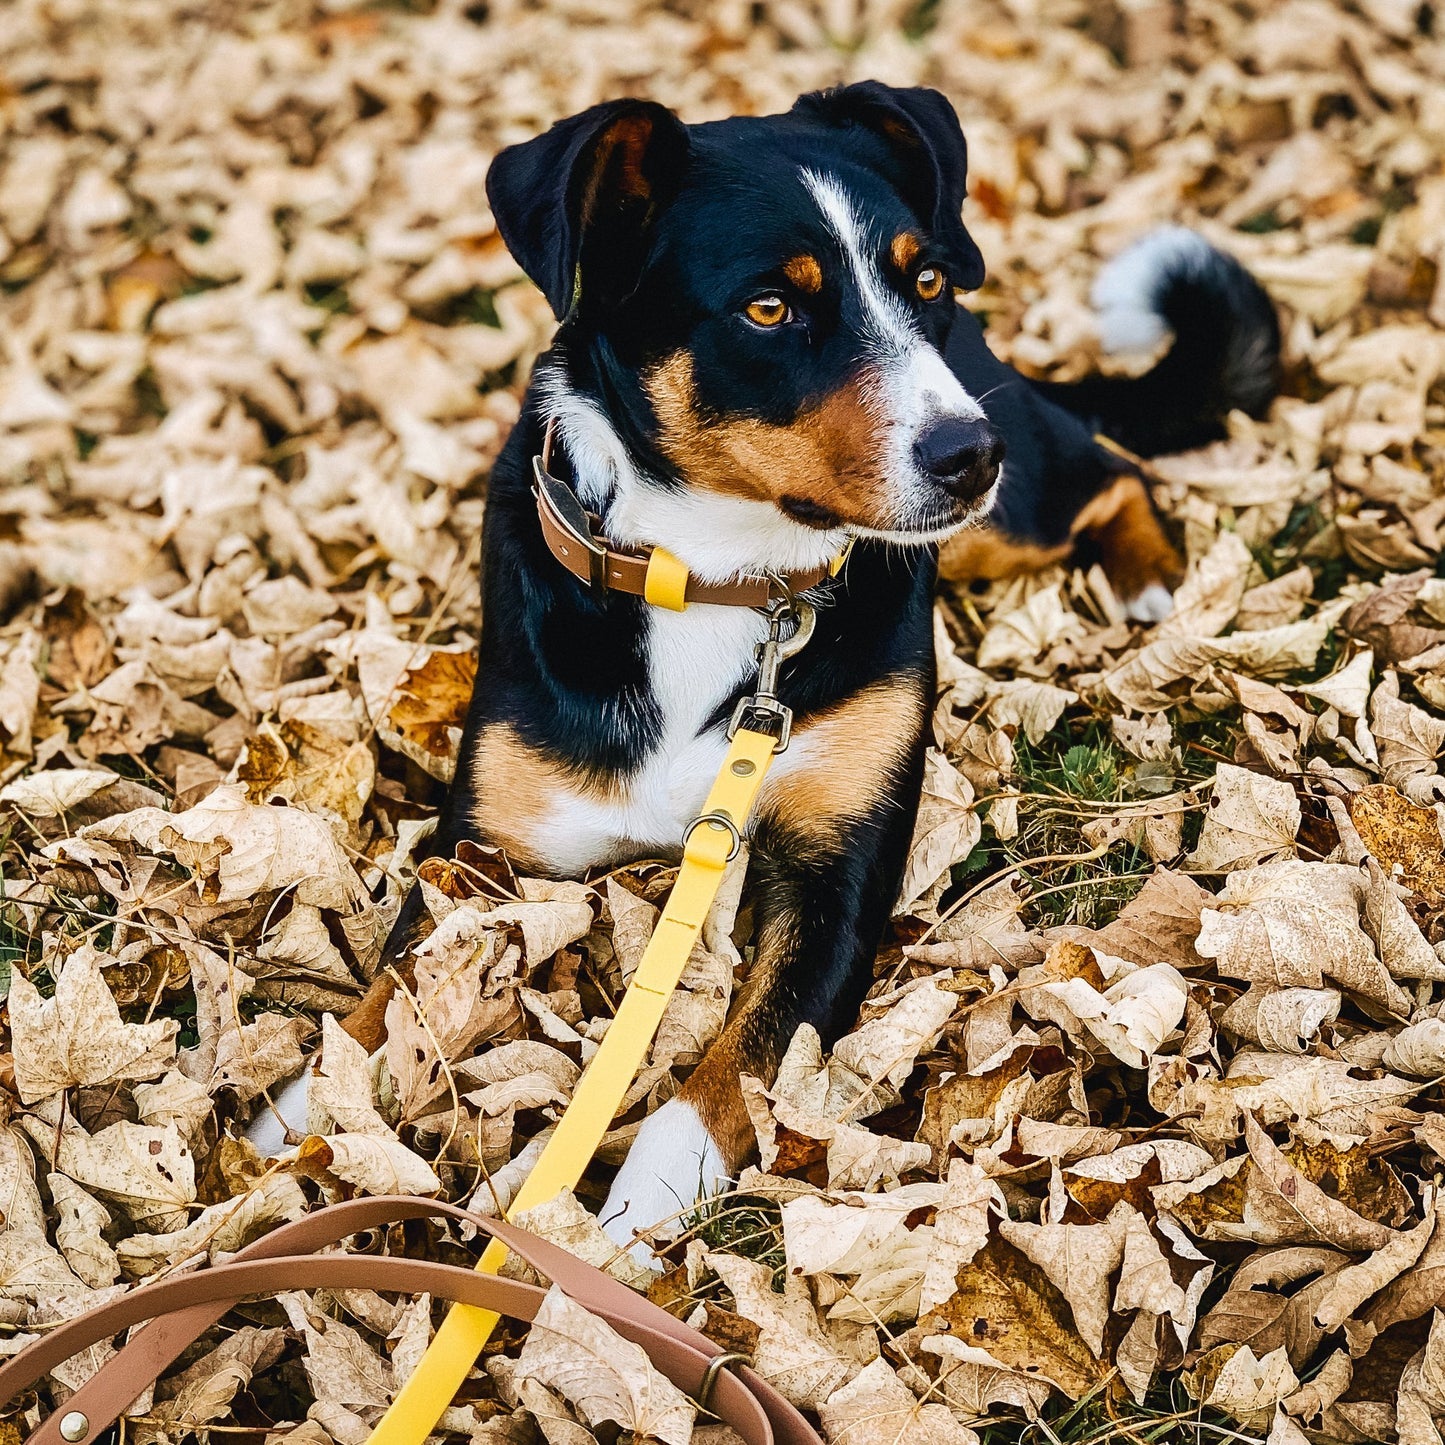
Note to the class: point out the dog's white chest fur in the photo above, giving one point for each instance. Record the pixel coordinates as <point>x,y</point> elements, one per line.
<point>696,661</point>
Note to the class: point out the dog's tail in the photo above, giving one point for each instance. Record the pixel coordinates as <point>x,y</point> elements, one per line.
<point>1225,352</point>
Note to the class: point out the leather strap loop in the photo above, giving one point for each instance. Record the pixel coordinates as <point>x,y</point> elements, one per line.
<point>183,1307</point>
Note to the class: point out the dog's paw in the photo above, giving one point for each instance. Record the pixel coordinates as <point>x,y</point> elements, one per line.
<point>673,1163</point>
<point>1153,604</point>
<point>288,1111</point>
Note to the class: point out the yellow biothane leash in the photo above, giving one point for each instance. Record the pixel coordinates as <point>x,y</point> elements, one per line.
<point>710,842</point>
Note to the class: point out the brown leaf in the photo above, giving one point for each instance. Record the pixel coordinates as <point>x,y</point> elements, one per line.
<point>431,704</point>
<point>1006,1304</point>
<point>1280,1204</point>
<point>1077,1259</point>
<point>793,1354</point>
<point>1404,837</point>
<point>77,1037</point>
<point>875,1408</point>
<point>605,1376</point>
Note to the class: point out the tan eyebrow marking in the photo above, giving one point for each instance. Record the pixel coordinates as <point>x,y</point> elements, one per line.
<point>805,273</point>
<point>904,250</point>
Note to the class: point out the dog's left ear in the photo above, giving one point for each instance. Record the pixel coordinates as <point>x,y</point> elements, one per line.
<point>574,204</point>
<point>923,130</point>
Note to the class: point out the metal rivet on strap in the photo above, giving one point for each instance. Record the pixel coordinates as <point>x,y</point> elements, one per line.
<point>74,1426</point>
<point>745,767</point>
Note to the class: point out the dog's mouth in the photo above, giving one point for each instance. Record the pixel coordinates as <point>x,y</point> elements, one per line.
<point>948,518</point>
<point>810,513</point>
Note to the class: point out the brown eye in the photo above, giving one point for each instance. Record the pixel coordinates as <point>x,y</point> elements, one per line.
<point>768,311</point>
<point>930,283</point>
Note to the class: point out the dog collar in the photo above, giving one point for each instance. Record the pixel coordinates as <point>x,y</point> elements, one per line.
<point>652,573</point>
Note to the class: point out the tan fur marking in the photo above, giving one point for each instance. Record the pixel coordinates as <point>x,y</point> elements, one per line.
<point>1121,523</point>
<point>831,455</point>
<point>713,1088</point>
<point>987,556</point>
<point>1103,507</point>
<point>618,160</point>
<point>515,787</point>
<point>1133,550</point>
<point>852,750</point>
<point>904,251</point>
<point>805,273</point>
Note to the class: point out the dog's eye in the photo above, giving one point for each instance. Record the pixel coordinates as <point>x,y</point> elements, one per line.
<point>768,311</point>
<point>930,283</point>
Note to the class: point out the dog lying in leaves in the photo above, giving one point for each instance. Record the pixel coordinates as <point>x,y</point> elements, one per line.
<point>760,363</point>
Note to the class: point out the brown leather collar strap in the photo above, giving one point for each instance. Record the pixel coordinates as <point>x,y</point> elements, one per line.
<point>183,1307</point>
<point>568,530</point>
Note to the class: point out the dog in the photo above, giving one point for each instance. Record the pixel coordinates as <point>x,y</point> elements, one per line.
<point>760,362</point>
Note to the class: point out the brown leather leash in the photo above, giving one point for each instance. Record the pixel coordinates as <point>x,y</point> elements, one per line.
<point>182,1308</point>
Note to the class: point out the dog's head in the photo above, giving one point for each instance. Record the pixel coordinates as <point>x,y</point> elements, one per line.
<point>753,317</point>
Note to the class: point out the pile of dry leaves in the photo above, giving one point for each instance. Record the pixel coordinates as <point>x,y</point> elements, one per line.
<point>1146,1105</point>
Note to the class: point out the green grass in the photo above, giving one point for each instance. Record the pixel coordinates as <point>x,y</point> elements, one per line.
<point>1167,1417</point>
<point>1059,782</point>
<point>1262,223</point>
<point>477,306</point>
<point>328,297</point>
<point>1071,777</point>
<point>741,1224</point>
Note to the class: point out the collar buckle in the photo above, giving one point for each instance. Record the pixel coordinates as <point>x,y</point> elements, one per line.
<point>569,514</point>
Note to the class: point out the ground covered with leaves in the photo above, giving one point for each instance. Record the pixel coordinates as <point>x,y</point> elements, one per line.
<point>1140,1135</point>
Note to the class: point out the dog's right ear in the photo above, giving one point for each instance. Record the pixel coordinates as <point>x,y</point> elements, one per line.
<point>575,204</point>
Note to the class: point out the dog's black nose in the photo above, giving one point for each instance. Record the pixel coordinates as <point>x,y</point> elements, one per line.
<point>962,455</point>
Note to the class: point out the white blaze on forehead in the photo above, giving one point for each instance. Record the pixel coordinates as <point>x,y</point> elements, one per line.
<point>914,385</point>
<point>912,366</point>
<point>891,330</point>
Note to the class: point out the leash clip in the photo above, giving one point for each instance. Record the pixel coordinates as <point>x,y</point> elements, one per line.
<point>762,711</point>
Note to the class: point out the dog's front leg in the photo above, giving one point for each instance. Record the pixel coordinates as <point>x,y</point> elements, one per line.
<point>828,856</point>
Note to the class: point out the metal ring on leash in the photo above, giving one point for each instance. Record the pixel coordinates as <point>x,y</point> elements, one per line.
<point>715,1366</point>
<point>718,821</point>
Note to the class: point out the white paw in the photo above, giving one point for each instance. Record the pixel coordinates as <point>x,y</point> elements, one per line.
<point>672,1164</point>
<point>267,1132</point>
<point>1153,604</point>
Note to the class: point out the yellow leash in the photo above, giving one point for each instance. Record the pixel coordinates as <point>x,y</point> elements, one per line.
<point>711,842</point>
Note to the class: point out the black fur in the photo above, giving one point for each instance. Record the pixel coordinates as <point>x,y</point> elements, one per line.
<point>1225,355</point>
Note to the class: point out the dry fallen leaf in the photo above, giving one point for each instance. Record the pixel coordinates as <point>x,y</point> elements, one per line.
<point>263,345</point>
<point>1078,1260</point>
<point>77,1036</point>
<point>605,1376</point>
<point>376,1164</point>
<point>876,1408</point>
<point>1251,818</point>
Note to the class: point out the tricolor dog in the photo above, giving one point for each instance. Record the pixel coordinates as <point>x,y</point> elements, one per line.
<point>760,362</point>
